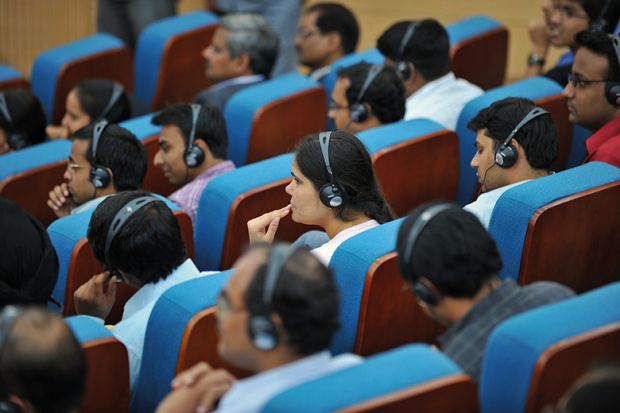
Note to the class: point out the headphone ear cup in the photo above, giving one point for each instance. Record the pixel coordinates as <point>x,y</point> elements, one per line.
<point>358,112</point>
<point>9,407</point>
<point>17,141</point>
<point>424,293</point>
<point>403,68</point>
<point>100,177</point>
<point>506,156</point>
<point>263,332</point>
<point>612,93</point>
<point>331,195</point>
<point>194,156</point>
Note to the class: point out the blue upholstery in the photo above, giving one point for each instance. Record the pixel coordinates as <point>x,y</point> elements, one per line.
<point>532,88</point>
<point>8,73</point>
<point>164,332</point>
<point>241,109</point>
<point>514,208</point>
<point>141,127</point>
<point>151,45</point>
<point>380,375</point>
<point>578,147</point>
<point>385,136</point>
<point>369,56</point>
<point>217,198</point>
<point>350,264</point>
<point>86,328</point>
<point>33,156</point>
<point>516,344</point>
<point>469,27</point>
<point>48,64</point>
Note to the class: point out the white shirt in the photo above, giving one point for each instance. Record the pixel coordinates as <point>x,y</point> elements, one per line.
<point>441,100</point>
<point>87,206</point>
<point>320,73</point>
<point>251,394</point>
<point>482,207</point>
<point>324,252</point>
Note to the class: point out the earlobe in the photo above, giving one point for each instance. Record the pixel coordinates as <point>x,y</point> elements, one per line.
<point>243,62</point>
<point>334,41</point>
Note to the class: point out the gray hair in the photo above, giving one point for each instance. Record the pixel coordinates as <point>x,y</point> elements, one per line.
<point>251,34</point>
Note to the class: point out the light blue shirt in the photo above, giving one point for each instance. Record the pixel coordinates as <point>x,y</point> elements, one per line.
<point>90,205</point>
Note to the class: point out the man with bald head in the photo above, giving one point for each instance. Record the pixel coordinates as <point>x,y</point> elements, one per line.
<point>42,367</point>
<point>276,317</point>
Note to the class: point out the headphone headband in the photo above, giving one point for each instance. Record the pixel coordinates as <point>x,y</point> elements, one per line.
<point>195,112</point>
<point>324,138</point>
<point>615,41</point>
<point>97,132</point>
<point>117,91</point>
<point>4,108</point>
<point>532,114</point>
<point>373,72</point>
<point>406,37</point>
<point>7,319</point>
<point>280,254</point>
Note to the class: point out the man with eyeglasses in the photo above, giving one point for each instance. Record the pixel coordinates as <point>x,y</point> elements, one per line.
<point>276,317</point>
<point>593,94</point>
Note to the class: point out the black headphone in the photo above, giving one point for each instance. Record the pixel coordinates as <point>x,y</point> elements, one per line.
<point>99,175</point>
<point>358,112</point>
<point>331,194</point>
<point>599,24</point>
<point>262,330</point>
<point>612,88</point>
<point>401,65</point>
<point>194,156</point>
<point>117,91</point>
<point>16,140</point>
<point>421,288</point>
<point>8,316</point>
<point>506,155</point>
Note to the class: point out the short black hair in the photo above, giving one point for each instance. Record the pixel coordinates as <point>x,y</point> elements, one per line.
<point>539,137</point>
<point>27,116</point>
<point>334,17</point>
<point>119,150</point>
<point>608,11</point>
<point>305,297</point>
<point>210,126</point>
<point>601,44</point>
<point>385,95</point>
<point>453,251</point>
<point>149,246</point>
<point>428,48</point>
<point>95,94</point>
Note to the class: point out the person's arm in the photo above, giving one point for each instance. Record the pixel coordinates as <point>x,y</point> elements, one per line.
<point>263,228</point>
<point>55,132</point>
<point>539,38</point>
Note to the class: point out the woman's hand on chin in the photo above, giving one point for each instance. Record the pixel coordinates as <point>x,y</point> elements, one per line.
<point>263,228</point>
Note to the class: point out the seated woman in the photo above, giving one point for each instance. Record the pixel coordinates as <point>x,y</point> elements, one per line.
<point>90,101</point>
<point>22,121</point>
<point>333,187</point>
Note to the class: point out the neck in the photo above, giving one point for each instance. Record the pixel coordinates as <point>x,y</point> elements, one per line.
<point>276,358</point>
<point>335,225</point>
<point>524,174</point>
<point>457,308</point>
<point>108,190</point>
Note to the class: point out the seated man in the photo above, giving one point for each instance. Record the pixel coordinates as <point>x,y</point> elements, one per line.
<point>138,240</point>
<point>42,367</point>
<point>276,317</point>
<point>104,160</point>
<point>366,96</point>
<point>451,264</point>
<point>242,52</point>
<point>327,32</point>
<point>192,150</point>
<point>593,93</point>
<point>516,141</point>
<point>420,50</point>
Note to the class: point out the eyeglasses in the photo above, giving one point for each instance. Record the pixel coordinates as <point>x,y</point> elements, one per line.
<point>579,83</point>
<point>567,11</point>
<point>223,306</point>
<point>334,106</point>
<point>305,33</point>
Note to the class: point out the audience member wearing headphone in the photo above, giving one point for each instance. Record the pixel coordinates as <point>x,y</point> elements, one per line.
<point>104,160</point>
<point>451,264</point>
<point>516,141</point>
<point>420,51</point>
<point>593,94</point>
<point>333,187</point>
<point>138,240</point>
<point>22,121</point>
<point>192,150</point>
<point>276,317</point>
<point>366,96</point>
<point>90,101</point>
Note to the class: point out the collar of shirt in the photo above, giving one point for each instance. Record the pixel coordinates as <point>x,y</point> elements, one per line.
<point>216,170</point>
<point>92,204</point>
<point>241,80</point>
<point>611,129</point>
<point>431,87</point>
<point>320,73</point>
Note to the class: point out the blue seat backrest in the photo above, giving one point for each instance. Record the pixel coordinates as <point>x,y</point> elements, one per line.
<point>578,148</point>
<point>141,127</point>
<point>9,72</point>
<point>385,136</point>
<point>87,329</point>
<point>532,88</point>
<point>350,264</point>
<point>164,332</point>
<point>152,43</point>
<point>380,375</point>
<point>33,156</point>
<point>469,27</point>
<point>372,56</point>
<point>515,346</point>
<point>242,107</point>
<point>218,197</point>
<point>47,65</point>
<point>514,208</point>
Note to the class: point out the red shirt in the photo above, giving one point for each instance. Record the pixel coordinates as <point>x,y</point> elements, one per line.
<point>604,144</point>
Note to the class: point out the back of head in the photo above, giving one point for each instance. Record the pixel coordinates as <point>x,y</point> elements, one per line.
<point>603,15</point>
<point>428,47</point>
<point>95,97</point>
<point>28,261</point>
<point>334,17</point>
<point>596,391</point>
<point>305,297</point>
<point>601,44</point>
<point>120,151</point>
<point>41,362</point>
<point>352,170</point>
<point>452,250</point>
<point>148,246</point>
<point>251,34</point>
<point>385,95</point>
<point>210,125</point>
<point>27,122</point>
<point>538,137</point>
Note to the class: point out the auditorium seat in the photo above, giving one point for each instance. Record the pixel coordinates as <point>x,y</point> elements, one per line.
<point>479,50</point>
<point>563,227</point>
<point>532,359</point>
<point>11,78</point>
<point>58,70</point>
<point>107,367</point>
<point>413,378</point>
<point>269,118</point>
<point>169,66</point>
